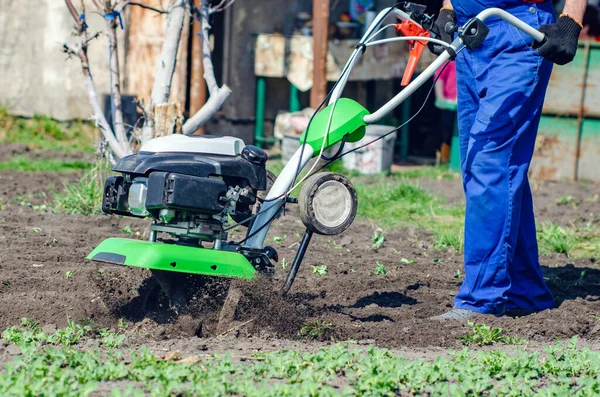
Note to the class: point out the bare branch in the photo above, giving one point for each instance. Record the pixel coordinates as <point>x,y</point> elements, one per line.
<point>115,80</point>
<point>70,49</point>
<point>92,37</point>
<point>147,7</point>
<point>119,148</point>
<point>99,4</point>
<point>75,15</point>
<point>72,10</point>
<point>223,5</point>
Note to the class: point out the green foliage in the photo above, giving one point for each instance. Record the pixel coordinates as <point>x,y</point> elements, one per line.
<point>68,274</point>
<point>378,238</point>
<point>110,339</point>
<point>341,369</point>
<point>380,269</point>
<point>29,334</point>
<point>321,270</point>
<point>127,229</point>
<point>484,335</point>
<point>83,197</point>
<point>573,241</point>
<point>568,200</point>
<point>557,239</point>
<point>21,163</point>
<point>452,237</point>
<point>47,134</point>
<point>315,329</point>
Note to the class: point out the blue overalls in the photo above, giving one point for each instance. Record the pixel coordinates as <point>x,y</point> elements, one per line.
<point>501,89</point>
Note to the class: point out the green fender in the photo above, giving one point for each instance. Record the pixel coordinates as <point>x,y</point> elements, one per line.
<point>348,119</point>
<point>173,258</point>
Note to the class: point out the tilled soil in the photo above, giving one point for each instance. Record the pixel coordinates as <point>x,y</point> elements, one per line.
<point>44,276</point>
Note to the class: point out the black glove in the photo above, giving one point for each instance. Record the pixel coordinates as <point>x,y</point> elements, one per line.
<point>439,27</point>
<point>560,43</point>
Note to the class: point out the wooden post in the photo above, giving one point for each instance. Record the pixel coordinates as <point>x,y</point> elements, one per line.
<point>197,82</point>
<point>320,35</point>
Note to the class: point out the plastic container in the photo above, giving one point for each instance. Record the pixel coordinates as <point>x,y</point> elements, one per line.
<point>374,158</point>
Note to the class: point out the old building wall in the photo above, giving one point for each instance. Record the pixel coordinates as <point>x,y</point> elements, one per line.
<point>35,76</point>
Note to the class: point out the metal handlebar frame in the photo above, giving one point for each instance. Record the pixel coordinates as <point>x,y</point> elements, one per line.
<point>456,46</point>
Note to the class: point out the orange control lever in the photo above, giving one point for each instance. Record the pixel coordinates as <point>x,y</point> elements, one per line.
<point>409,28</point>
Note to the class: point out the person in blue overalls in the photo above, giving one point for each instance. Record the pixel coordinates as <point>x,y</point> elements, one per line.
<point>501,89</point>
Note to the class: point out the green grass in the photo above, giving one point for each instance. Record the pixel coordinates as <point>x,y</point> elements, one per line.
<point>395,201</point>
<point>575,242</point>
<point>21,163</point>
<point>83,197</point>
<point>51,365</point>
<point>44,133</point>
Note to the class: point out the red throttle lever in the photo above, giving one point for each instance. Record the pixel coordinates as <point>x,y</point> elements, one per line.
<point>409,28</point>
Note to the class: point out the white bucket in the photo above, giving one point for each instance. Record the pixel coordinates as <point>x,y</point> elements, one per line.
<point>374,158</point>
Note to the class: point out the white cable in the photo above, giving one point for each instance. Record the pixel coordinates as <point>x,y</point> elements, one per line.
<point>380,31</point>
<point>308,174</point>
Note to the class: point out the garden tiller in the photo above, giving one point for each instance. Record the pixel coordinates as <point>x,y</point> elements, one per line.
<point>198,188</point>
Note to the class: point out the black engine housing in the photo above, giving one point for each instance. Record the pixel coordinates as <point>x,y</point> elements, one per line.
<point>190,182</point>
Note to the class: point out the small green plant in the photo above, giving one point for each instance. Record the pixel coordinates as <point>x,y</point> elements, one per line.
<point>101,272</point>
<point>30,334</point>
<point>484,335</point>
<point>315,329</point>
<point>70,335</point>
<point>407,261</point>
<point>278,239</point>
<point>378,238</point>
<point>127,229</point>
<point>555,238</point>
<point>110,339</point>
<point>458,275</point>
<point>321,270</point>
<point>37,229</point>
<point>284,263</point>
<point>380,269</point>
<point>447,237</point>
<point>68,274</point>
<point>567,200</point>
<point>122,324</point>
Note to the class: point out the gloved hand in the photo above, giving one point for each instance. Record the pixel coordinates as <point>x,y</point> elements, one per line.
<point>445,17</point>
<point>560,43</point>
